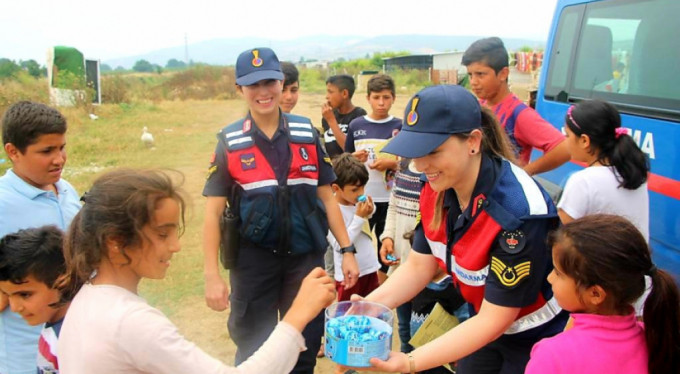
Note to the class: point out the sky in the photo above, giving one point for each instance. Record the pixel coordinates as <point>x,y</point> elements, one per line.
<point>120,28</point>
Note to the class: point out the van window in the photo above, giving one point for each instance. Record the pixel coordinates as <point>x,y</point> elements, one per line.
<point>628,52</point>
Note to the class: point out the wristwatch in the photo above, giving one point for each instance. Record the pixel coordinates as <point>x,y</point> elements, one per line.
<point>349,249</point>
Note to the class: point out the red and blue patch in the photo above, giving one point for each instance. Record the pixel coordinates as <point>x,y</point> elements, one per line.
<point>248,161</point>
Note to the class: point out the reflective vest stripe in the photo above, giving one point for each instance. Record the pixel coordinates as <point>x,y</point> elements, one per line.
<point>259,184</point>
<point>298,181</point>
<point>240,140</point>
<point>300,125</point>
<point>540,316</point>
<point>438,249</point>
<point>303,134</point>
<point>474,278</point>
<point>234,133</point>
<point>537,204</point>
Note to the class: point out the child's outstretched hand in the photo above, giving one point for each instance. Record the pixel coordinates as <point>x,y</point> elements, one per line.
<point>397,362</point>
<point>316,292</point>
<point>365,208</point>
<point>361,155</point>
<point>387,252</point>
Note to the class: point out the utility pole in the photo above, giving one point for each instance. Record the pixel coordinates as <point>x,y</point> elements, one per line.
<point>186,49</point>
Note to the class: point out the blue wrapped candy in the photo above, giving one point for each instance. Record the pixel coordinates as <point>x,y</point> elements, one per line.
<point>391,257</point>
<point>361,198</point>
<point>353,339</point>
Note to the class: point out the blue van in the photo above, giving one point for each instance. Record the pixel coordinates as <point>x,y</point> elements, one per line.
<point>628,53</point>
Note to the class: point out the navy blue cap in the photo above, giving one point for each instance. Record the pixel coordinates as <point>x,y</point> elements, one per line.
<point>431,117</point>
<point>257,64</point>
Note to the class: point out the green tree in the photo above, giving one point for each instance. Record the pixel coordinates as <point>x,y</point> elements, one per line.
<point>175,64</point>
<point>104,68</point>
<point>8,68</point>
<point>120,68</point>
<point>143,66</point>
<point>32,68</point>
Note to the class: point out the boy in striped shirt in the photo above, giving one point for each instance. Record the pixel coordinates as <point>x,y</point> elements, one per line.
<point>31,261</point>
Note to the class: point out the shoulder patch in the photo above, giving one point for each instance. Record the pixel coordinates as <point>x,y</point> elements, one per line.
<point>512,241</point>
<point>211,171</point>
<point>510,276</point>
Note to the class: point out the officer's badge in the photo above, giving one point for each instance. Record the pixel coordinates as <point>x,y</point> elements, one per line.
<point>412,116</point>
<point>395,132</point>
<point>247,161</point>
<point>510,276</point>
<point>512,241</point>
<point>327,160</point>
<point>211,171</point>
<point>478,204</point>
<point>304,154</point>
<point>247,125</point>
<point>257,61</point>
<point>213,157</point>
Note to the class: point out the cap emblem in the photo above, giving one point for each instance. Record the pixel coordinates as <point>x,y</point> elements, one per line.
<point>412,116</point>
<point>257,61</point>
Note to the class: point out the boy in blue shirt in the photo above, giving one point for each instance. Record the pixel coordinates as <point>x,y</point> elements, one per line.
<point>365,138</point>
<point>31,262</point>
<point>32,194</point>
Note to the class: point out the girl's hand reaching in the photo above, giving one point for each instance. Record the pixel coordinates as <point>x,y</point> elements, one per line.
<point>316,292</point>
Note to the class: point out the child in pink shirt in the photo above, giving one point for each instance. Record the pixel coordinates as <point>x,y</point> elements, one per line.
<point>599,266</point>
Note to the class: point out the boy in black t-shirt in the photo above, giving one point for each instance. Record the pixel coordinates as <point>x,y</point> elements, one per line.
<point>337,112</point>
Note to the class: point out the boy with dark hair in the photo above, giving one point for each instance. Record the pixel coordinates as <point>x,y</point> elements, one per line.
<point>337,112</point>
<point>348,189</point>
<point>365,138</point>
<point>32,194</point>
<point>291,86</point>
<point>31,261</point>
<point>487,65</point>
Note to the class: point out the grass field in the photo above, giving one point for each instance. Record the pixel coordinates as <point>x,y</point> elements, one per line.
<point>184,133</point>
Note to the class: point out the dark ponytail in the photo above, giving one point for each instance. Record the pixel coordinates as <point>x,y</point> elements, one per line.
<point>495,140</point>
<point>600,121</point>
<point>609,251</point>
<point>662,324</point>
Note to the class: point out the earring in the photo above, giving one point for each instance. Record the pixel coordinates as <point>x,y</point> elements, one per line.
<point>472,151</point>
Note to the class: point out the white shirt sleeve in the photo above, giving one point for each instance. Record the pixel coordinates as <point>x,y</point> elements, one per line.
<point>575,198</point>
<point>152,344</point>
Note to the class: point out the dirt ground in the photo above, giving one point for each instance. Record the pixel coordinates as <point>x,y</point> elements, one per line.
<point>206,327</point>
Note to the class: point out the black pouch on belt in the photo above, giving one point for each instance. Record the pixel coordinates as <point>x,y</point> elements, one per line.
<point>229,240</point>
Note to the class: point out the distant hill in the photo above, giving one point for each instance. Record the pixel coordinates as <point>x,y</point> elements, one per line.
<point>319,47</point>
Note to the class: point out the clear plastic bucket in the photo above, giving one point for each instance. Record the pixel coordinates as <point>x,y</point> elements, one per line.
<point>356,331</point>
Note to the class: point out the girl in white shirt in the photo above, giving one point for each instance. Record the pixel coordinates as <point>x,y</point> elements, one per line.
<point>129,229</point>
<point>615,179</point>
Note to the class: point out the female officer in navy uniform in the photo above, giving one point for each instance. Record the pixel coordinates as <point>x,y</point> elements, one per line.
<point>271,169</point>
<point>484,221</point>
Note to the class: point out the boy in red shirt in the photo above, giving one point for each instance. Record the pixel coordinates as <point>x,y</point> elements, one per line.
<point>487,65</point>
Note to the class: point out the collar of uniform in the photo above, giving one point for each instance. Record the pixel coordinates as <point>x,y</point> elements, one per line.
<point>488,173</point>
<point>26,188</point>
<point>279,131</point>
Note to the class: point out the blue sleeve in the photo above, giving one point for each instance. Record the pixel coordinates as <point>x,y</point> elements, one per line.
<point>516,279</point>
<point>420,243</point>
<point>326,173</point>
<point>218,181</point>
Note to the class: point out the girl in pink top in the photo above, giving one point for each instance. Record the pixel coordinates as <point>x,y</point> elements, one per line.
<point>599,266</point>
